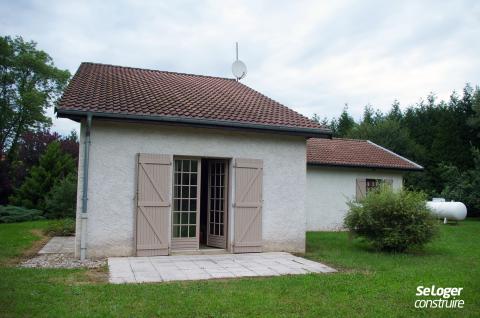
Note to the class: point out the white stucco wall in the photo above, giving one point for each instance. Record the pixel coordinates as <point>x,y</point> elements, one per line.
<point>112,179</point>
<point>329,188</point>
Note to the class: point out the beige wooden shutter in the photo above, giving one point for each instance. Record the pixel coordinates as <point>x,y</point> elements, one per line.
<point>361,188</point>
<point>153,204</point>
<point>248,206</point>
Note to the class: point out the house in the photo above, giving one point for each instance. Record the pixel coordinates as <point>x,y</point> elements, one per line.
<point>339,170</point>
<point>173,163</point>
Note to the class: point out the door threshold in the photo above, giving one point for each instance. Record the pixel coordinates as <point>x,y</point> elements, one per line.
<point>202,251</point>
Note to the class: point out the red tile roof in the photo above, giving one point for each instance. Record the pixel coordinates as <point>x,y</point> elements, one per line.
<point>109,89</point>
<point>355,153</point>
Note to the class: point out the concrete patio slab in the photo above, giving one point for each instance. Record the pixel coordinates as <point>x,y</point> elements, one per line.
<point>59,245</point>
<point>198,267</point>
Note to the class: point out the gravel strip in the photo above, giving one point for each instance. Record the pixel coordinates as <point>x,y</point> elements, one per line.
<point>61,261</point>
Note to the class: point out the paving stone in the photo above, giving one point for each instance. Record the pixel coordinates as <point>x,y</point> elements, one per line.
<point>142,267</point>
<point>59,245</point>
<point>221,274</point>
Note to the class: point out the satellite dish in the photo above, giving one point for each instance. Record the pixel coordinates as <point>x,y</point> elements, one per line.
<point>239,69</point>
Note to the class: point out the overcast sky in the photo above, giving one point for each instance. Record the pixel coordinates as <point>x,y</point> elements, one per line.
<point>313,56</point>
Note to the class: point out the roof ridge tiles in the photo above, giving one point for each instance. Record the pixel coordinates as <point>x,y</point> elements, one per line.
<point>349,139</point>
<point>157,71</point>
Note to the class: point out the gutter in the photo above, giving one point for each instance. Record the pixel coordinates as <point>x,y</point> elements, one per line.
<point>307,132</point>
<point>84,214</point>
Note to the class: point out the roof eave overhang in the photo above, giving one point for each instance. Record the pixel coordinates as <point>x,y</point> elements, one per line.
<point>345,165</point>
<point>77,115</point>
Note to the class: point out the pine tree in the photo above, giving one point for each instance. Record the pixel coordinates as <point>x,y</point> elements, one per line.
<point>368,115</point>
<point>60,202</point>
<point>345,123</point>
<point>395,112</point>
<point>53,166</point>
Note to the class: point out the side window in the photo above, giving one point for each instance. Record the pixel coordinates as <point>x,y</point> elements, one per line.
<point>372,184</point>
<point>363,186</point>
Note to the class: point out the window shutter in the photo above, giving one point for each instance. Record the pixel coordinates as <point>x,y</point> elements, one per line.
<point>248,206</point>
<point>361,188</point>
<point>153,204</point>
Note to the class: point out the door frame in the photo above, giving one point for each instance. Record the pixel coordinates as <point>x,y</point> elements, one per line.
<point>226,194</point>
<point>228,186</point>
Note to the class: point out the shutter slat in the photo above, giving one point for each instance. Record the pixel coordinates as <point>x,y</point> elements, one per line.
<point>152,247</point>
<point>153,203</point>
<point>247,204</point>
<point>246,244</point>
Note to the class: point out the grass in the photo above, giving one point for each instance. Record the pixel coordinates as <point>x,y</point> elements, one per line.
<point>18,240</point>
<point>369,284</point>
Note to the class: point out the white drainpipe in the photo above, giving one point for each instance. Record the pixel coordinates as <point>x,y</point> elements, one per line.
<point>83,214</point>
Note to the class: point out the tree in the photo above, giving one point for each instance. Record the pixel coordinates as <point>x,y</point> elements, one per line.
<point>322,121</point>
<point>29,84</point>
<point>463,186</point>
<point>438,135</point>
<point>474,120</point>
<point>69,144</point>
<point>345,123</point>
<point>395,112</point>
<point>316,118</point>
<point>441,128</point>
<point>389,134</point>
<point>60,202</point>
<point>368,115</point>
<point>31,146</point>
<point>53,166</point>
<point>333,126</point>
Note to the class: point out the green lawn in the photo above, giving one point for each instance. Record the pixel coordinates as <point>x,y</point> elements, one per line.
<point>16,238</point>
<point>368,284</point>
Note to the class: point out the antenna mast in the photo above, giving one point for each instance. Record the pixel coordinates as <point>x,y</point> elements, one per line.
<point>236,50</point>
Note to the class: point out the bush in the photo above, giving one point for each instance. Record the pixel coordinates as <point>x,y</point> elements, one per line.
<point>63,227</point>
<point>392,220</point>
<point>60,202</point>
<point>10,214</point>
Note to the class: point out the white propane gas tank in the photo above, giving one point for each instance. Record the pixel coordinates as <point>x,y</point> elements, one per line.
<point>455,211</point>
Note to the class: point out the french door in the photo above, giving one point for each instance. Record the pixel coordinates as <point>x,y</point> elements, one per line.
<point>217,203</point>
<point>186,203</point>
